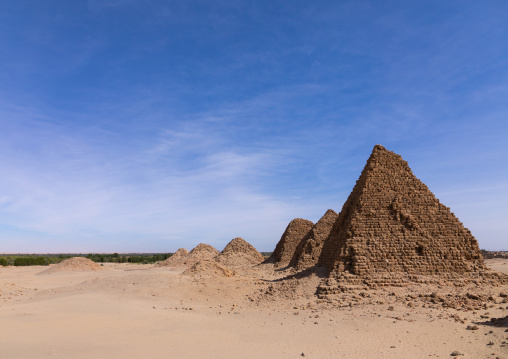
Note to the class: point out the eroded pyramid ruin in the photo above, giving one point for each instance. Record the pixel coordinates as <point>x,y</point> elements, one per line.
<point>176,260</point>
<point>392,223</point>
<point>202,251</point>
<point>291,239</point>
<point>307,254</point>
<point>184,259</point>
<point>238,252</point>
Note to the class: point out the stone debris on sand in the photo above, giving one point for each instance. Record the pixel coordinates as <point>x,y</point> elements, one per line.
<point>74,264</point>
<point>291,239</point>
<point>239,253</point>
<point>208,268</point>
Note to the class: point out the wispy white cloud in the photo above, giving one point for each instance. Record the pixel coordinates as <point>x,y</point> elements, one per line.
<point>185,183</point>
<point>65,186</point>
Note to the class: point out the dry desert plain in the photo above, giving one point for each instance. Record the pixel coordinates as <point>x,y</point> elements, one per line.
<point>144,311</point>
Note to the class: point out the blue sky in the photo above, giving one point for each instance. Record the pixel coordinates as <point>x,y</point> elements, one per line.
<point>152,125</point>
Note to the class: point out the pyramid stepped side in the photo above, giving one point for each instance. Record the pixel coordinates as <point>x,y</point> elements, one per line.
<point>294,234</point>
<point>392,223</point>
<point>307,254</point>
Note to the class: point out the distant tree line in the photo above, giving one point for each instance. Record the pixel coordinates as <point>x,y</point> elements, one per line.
<point>117,258</point>
<point>38,260</point>
<point>31,261</point>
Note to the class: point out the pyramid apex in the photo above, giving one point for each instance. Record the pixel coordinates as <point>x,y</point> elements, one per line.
<point>237,240</point>
<point>382,155</point>
<point>379,148</point>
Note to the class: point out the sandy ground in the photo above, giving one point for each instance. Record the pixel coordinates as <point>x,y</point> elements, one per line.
<point>139,311</point>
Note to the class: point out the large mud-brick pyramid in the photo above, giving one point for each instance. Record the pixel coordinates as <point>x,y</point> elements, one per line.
<point>392,222</point>
<point>391,229</point>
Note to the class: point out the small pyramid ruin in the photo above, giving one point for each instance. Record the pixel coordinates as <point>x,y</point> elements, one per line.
<point>294,234</point>
<point>176,260</point>
<point>74,264</point>
<point>309,251</point>
<point>203,251</point>
<point>238,252</point>
<point>183,259</point>
<point>393,224</point>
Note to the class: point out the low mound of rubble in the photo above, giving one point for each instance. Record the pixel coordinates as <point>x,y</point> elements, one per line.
<point>74,264</point>
<point>208,269</point>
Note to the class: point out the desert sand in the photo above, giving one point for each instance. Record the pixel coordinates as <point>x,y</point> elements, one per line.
<point>141,311</point>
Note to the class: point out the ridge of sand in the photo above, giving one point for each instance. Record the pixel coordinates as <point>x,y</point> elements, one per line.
<point>74,264</point>
<point>238,252</point>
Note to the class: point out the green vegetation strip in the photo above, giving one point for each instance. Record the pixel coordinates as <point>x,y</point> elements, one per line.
<point>44,260</point>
